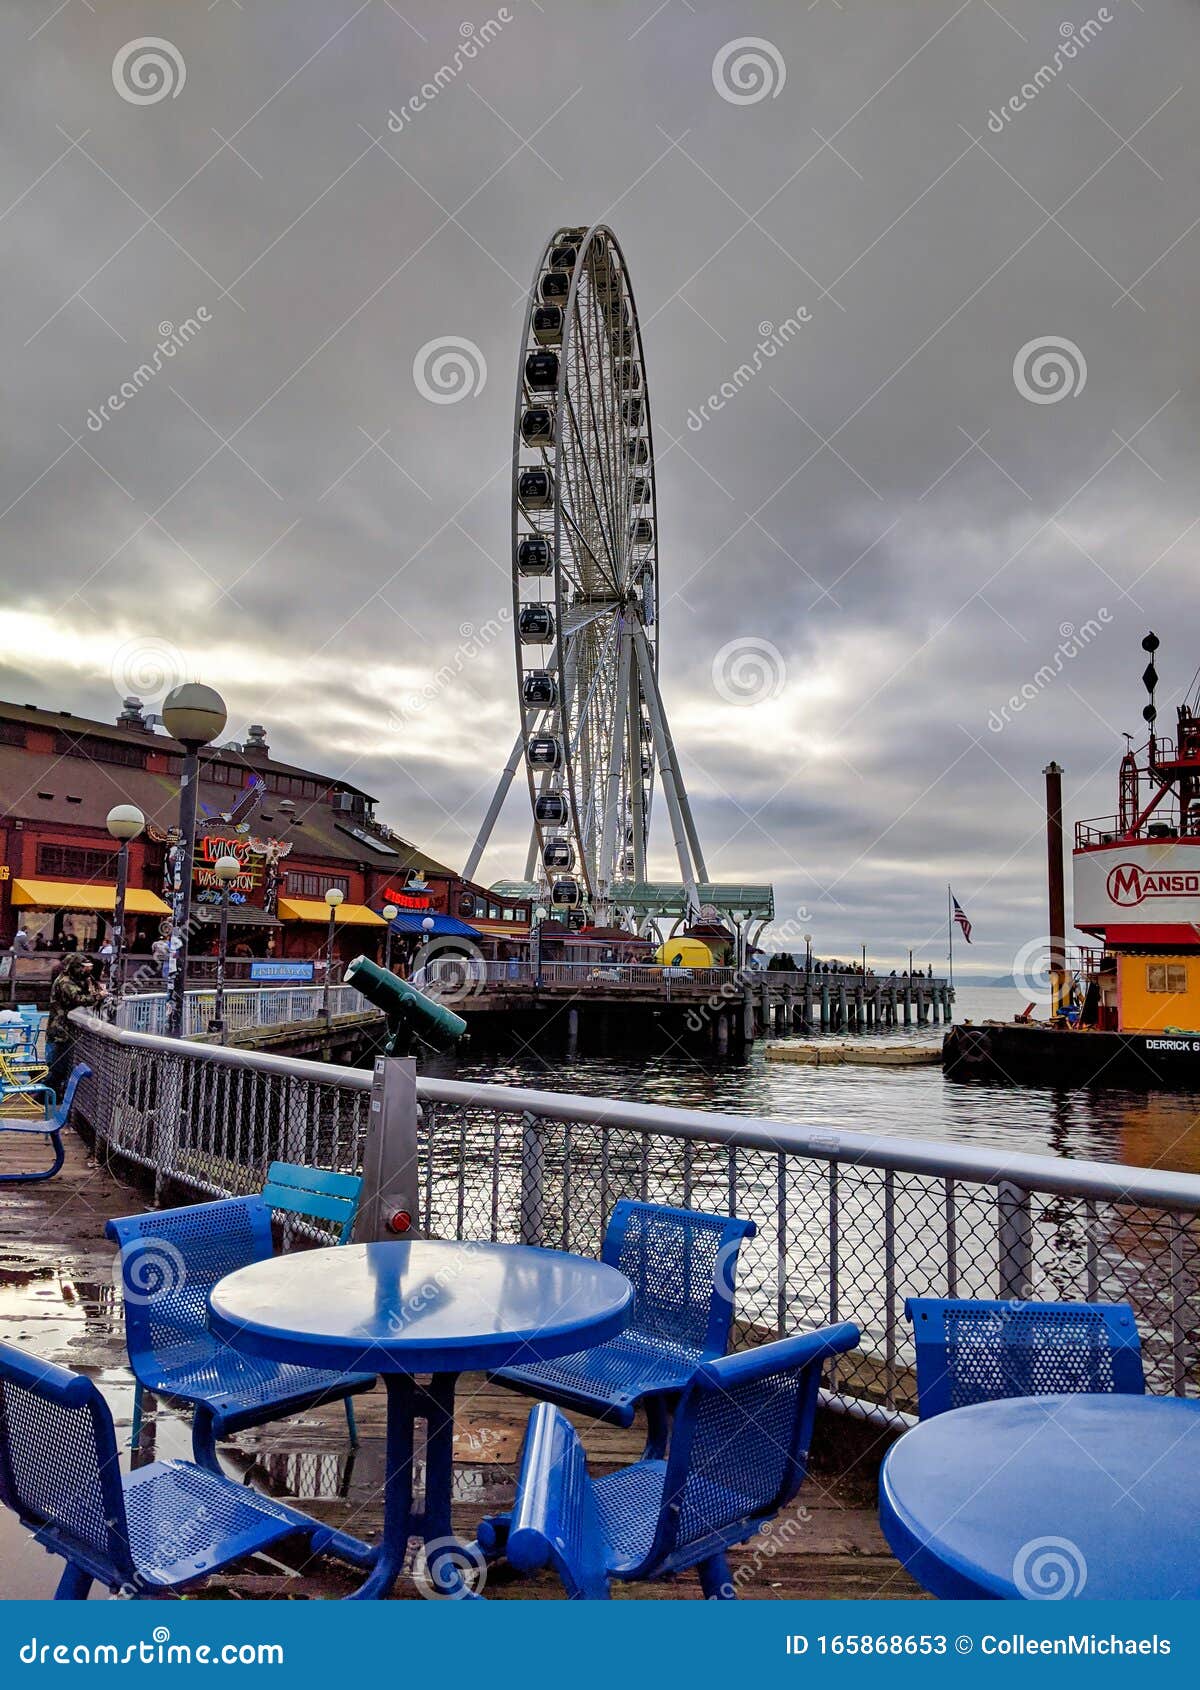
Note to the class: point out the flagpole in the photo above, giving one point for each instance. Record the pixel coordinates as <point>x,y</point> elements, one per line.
<point>950,928</point>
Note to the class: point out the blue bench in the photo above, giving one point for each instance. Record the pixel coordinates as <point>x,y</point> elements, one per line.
<point>162,1528</point>
<point>739,1453</point>
<point>682,1264</point>
<point>170,1261</point>
<point>971,1351</point>
<point>50,1127</point>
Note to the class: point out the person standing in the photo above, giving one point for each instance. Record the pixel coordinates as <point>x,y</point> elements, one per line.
<point>161,952</point>
<point>73,989</point>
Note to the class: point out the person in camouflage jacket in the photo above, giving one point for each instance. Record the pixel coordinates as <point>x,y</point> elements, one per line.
<point>74,988</point>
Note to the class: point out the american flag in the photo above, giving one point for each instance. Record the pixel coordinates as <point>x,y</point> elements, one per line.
<point>960,915</point>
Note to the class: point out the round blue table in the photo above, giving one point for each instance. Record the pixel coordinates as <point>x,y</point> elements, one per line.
<point>1049,1497</point>
<point>419,1307</point>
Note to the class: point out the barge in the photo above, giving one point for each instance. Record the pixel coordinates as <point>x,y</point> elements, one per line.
<point>1125,1011</point>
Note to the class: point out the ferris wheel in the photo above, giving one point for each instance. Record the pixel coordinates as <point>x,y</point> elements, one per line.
<point>594,733</point>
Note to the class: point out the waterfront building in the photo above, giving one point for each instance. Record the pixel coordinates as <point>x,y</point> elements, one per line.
<point>297,832</point>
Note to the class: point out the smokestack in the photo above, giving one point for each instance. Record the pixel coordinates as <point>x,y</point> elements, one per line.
<point>1054,880</point>
<point>131,715</point>
<point>256,747</point>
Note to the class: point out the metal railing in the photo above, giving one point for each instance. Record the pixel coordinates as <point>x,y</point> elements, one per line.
<point>456,971</point>
<point>848,1224</point>
<point>246,1006</point>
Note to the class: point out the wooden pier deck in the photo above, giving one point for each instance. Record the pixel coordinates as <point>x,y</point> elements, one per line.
<point>720,1010</point>
<point>57,1298</point>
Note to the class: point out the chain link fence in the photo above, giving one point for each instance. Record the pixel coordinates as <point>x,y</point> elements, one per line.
<point>848,1226</point>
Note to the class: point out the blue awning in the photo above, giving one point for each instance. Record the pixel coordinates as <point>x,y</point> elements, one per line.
<point>412,921</point>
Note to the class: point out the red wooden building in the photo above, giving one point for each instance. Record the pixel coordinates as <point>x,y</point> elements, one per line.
<point>297,833</point>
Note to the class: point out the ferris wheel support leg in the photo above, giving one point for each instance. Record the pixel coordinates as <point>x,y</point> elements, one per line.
<point>684,804</point>
<point>531,856</point>
<point>636,790</point>
<point>667,764</point>
<point>616,757</point>
<point>494,808</point>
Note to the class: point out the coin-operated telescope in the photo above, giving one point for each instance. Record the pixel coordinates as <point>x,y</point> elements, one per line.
<point>410,1014</point>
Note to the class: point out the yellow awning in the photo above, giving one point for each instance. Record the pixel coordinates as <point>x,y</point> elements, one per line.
<point>314,909</point>
<point>68,895</point>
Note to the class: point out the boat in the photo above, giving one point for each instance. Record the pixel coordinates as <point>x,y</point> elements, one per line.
<point>1125,1008</point>
<point>824,1054</point>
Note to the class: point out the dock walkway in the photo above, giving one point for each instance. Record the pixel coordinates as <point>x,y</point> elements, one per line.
<point>57,1298</point>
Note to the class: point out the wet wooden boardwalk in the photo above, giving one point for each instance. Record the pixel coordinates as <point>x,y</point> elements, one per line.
<point>57,1298</point>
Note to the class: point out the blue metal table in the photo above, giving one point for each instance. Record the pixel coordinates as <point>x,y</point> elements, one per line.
<point>1049,1497</point>
<point>402,1309</point>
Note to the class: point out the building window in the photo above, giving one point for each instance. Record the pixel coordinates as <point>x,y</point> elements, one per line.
<point>302,884</point>
<point>1169,977</point>
<point>75,861</point>
<point>12,733</point>
<point>101,751</point>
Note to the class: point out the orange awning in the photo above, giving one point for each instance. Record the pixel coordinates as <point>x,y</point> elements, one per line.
<point>314,909</point>
<point>72,895</point>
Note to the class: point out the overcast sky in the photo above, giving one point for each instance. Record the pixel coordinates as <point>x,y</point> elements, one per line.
<point>898,518</point>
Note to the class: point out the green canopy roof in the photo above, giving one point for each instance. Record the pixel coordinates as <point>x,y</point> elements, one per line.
<point>664,897</point>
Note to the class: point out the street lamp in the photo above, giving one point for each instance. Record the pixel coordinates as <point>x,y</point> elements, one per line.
<point>333,898</point>
<point>226,870</point>
<point>390,912</point>
<point>808,939</point>
<point>194,715</point>
<point>539,915</point>
<point>124,823</point>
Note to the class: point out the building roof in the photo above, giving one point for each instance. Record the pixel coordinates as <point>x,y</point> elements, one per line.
<point>151,739</point>
<point>79,791</point>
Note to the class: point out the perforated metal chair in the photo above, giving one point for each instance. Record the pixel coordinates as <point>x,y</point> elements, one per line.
<point>20,1071</point>
<point>683,1266</point>
<point>18,1042</point>
<point>170,1261</point>
<point>49,1126</point>
<point>315,1194</point>
<point>739,1453</point>
<point>976,1351</point>
<point>159,1529</point>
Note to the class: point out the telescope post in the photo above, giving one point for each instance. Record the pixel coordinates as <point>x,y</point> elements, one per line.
<point>389,1207</point>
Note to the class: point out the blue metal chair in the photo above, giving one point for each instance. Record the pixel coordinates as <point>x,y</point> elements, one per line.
<point>49,1127</point>
<point>682,1264</point>
<point>170,1261</point>
<point>313,1193</point>
<point>157,1530</point>
<point>975,1351</point>
<point>739,1453</point>
<point>18,1042</point>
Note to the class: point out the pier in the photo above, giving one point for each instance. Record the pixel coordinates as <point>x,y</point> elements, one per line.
<point>719,1009</point>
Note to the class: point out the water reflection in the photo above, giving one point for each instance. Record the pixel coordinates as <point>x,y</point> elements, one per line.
<point>1156,1129</point>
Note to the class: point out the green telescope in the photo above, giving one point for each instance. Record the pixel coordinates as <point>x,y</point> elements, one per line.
<point>410,1014</point>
